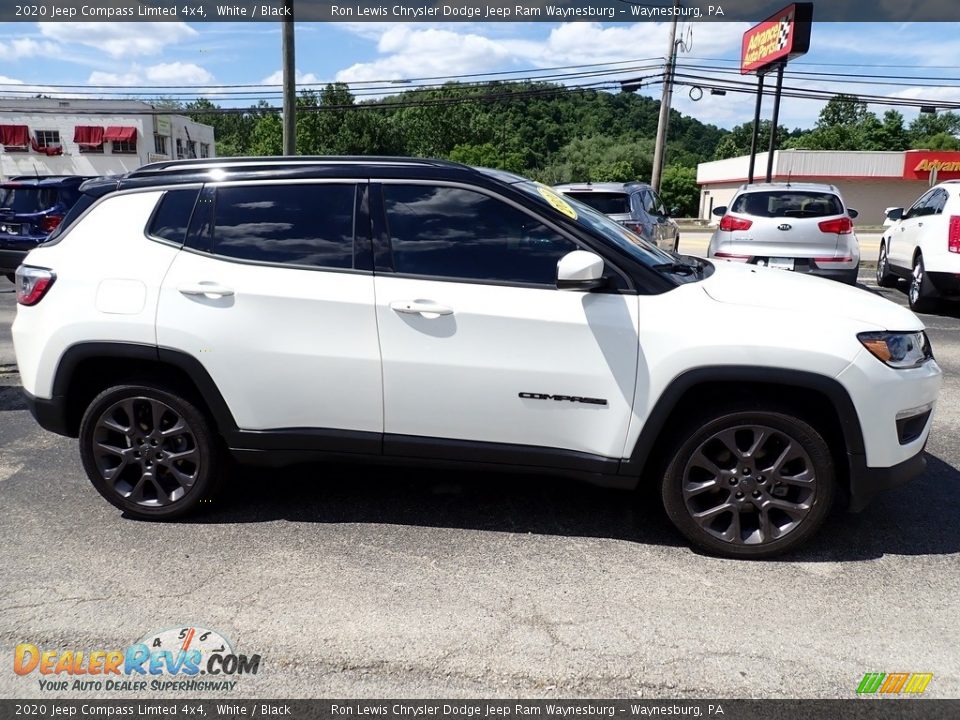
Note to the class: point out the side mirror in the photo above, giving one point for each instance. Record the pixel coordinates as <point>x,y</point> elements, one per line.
<point>674,211</point>
<point>854,214</point>
<point>720,211</point>
<point>580,270</point>
<point>895,213</point>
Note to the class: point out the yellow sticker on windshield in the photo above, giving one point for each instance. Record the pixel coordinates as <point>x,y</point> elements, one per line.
<point>557,202</point>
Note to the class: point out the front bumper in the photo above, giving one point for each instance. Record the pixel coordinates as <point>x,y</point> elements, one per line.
<point>867,482</point>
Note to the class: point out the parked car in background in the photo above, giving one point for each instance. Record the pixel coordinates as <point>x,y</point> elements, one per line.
<point>923,247</point>
<point>803,227</point>
<point>635,205</point>
<point>420,311</point>
<point>30,209</point>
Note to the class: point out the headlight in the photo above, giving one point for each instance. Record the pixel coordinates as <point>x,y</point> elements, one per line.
<point>898,350</point>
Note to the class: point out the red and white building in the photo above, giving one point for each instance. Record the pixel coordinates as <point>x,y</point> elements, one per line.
<point>869,181</point>
<point>51,136</point>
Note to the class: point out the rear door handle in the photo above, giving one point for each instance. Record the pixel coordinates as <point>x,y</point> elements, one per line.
<point>426,308</point>
<point>207,289</point>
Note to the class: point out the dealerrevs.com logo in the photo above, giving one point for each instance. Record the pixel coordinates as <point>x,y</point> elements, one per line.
<point>177,659</point>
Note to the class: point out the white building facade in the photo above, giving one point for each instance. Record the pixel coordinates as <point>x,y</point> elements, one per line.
<point>868,181</point>
<point>52,136</point>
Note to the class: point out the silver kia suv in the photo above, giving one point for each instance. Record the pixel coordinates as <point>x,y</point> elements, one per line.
<point>803,227</point>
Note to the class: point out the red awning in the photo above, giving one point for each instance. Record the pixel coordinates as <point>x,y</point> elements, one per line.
<point>88,135</point>
<point>14,135</point>
<point>120,133</point>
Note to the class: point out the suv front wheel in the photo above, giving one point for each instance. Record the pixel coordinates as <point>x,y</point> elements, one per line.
<point>149,452</point>
<point>749,484</point>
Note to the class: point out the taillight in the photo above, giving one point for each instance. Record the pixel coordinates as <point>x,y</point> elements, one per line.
<point>733,258</point>
<point>826,260</point>
<point>837,226</point>
<point>728,223</point>
<point>49,223</point>
<point>953,238</point>
<point>32,284</point>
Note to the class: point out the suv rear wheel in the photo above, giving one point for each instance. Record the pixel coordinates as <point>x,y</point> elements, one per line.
<point>749,484</point>
<point>921,293</point>
<point>149,452</point>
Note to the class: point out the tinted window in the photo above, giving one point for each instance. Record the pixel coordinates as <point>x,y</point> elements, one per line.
<point>652,203</point>
<point>450,232</point>
<point>172,218</point>
<point>797,204</point>
<point>936,203</point>
<point>919,208</point>
<point>609,203</point>
<point>309,224</point>
<point>27,199</point>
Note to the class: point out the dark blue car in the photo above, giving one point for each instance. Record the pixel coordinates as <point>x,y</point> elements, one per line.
<point>30,209</point>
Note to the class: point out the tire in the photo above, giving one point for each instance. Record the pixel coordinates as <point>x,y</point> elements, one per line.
<point>921,294</point>
<point>885,278</point>
<point>748,507</point>
<point>133,428</point>
<point>676,244</point>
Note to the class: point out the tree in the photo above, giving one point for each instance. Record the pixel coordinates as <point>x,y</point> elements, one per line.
<point>738,141</point>
<point>679,189</point>
<point>927,126</point>
<point>842,110</point>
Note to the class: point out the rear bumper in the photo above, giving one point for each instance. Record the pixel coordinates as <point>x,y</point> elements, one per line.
<point>50,414</point>
<point>10,260</point>
<point>867,482</point>
<point>946,283</point>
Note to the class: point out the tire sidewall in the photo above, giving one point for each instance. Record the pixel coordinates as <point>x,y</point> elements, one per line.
<point>207,480</point>
<point>796,429</point>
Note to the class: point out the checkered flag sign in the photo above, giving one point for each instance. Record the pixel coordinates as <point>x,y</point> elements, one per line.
<point>786,22</point>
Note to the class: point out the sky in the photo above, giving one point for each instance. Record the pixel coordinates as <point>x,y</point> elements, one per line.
<point>44,57</point>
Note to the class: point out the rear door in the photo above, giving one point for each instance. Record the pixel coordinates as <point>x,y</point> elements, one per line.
<point>274,297</point>
<point>480,348</point>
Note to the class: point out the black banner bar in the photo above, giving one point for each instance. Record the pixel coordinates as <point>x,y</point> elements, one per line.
<point>854,709</point>
<point>631,11</point>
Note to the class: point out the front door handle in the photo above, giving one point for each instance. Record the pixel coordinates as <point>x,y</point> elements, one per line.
<point>426,308</point>
<point>207,289</point>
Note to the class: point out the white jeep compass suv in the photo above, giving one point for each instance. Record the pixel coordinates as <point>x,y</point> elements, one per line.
<point>276,310</point>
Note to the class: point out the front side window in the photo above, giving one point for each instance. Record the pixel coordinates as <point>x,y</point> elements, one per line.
<point>451,232</point>
<point>787,203</point>
<point>308,224</point>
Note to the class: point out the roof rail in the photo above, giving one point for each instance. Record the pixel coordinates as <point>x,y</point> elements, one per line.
<point>281,160</point>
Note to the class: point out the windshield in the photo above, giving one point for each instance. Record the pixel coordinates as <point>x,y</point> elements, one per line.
<point>26,199</point>
<point>608,203</point>
<point>600,224</point>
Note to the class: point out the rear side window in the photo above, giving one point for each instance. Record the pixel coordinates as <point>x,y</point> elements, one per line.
<point>172,217</point>
<point>795,204</point>
<point>309,224</point>
<point>455,233</point>
<point>608,203</point>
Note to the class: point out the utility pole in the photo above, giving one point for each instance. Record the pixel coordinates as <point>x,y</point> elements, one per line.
<point>289,83</point>
<point>665,99</point>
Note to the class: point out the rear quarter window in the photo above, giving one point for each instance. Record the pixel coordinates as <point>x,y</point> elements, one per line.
<point>172,217</point>
<point>795,204</point>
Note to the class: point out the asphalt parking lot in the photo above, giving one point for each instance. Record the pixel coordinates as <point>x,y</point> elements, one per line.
<point>366,582</point>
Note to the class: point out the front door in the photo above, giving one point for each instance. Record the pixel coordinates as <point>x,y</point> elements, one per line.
<point>478,344</point>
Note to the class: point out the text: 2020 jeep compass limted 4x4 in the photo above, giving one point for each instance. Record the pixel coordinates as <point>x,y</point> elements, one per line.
<point>282,309</point>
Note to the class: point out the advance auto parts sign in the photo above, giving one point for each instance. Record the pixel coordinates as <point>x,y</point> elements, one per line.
<point>779,39</point>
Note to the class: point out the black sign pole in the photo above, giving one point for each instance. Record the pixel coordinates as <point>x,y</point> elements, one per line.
<point>756,129</point>
<point>776,119</point>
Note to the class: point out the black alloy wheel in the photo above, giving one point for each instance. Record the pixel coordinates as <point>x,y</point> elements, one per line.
<point>148,451</point>
<point>750,484</point>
